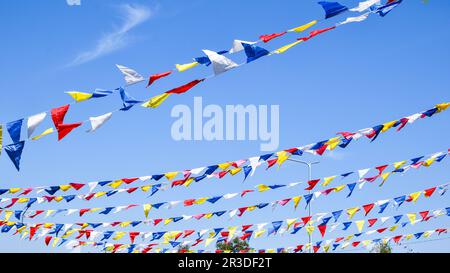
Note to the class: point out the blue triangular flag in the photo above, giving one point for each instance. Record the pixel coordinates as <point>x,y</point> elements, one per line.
<point>128,101</point>
<point>332,8</point>
<point>14,152</point>
<point>14,128</point>
<point>254,52</point>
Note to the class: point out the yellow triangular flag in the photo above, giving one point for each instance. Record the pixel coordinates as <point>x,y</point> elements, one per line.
<point>14,190</point>
<point>167,221</point>
<point>296,200</point>
<point>170,175</point>
<point>146,188</point>
<point>287,47</point>
<point>412,218</point>
<point>282,157</point>
<point>116,184</point>
<point>201,200</point>
<point>184,67</point>
<point>393,228</point>
<point>79,96</point>
<point>119,234</point>
<point>46,132</point>
<point>8,214</point>
<point>351,212</point>
<point>262,187</point>
<point>156,101</point>
<point>188,182</point>
<point>224,166</point>
<point>388,125</point>
<point>415,196</point>
<point>429,161</point>
<point>309,229</point>
<point>359,225</point>
<point>397,165</point>
<point>327,180</point>
<point>65,187</point>
<point>147,208</point>
<point>289,222</point>
<point>333,142</point>
<point>259,233</point>
<point>443,106</point>
<point>339,188</point>
<point>303,27</point>
<point>125,224</point>
<point>235,171</point>
<point>208,241</point>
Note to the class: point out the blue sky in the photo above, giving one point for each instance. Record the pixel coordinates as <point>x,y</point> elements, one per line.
<point>358,76</point>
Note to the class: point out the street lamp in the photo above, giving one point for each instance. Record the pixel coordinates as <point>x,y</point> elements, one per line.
<point>309,165</point>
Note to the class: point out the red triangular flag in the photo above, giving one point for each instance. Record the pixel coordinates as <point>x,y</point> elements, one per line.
<point>65,129</point>
<point>58,114</point>
<point>306,219</point>
<point>267,37</point>
<point>316,248</point>
<point>155,77</point>
<point>245,227</point>
<point>157,221</point>
<point>372,221</point>
<point>184,88</point>
<point>76,186</point>
<point>133,235</point>
<point>322,149</point>
<point>322,229</point>
<point>429,192</point>
<point>129,180</point>
<point>48,239</point>
<point>271,162</point>
<point>312,184</point>
<point>397,238</point>
<point>424,214</point>
<point>381,168</point>
<point>355,244</point>
<point>367,208</point>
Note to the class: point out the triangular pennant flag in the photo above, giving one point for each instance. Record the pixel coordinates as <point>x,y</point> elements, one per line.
<point>156,101</point>
<point>131,76</point>
<point>33,122</point>
<point>156,77</point>
<point>184,88</point>
<point>332,8</point>
<point>353,20</point>
<point>128,101</point>
<point>14,128</point>
<point>184,67</point>
<point>97,122</point>
<point>65,129</point>
<point>79,96</point>
<point>237,46</point>
<point>268,37</point>
<point>254,52</point>
<point>14,152</point>
<point>287,47</point>
<point>58,114</point>
<point>46,132</point>
<point>303,27</point>
<point>220,63</point>
<point>362,6</point>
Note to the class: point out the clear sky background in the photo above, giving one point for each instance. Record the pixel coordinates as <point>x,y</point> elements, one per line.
<point>358,76</point>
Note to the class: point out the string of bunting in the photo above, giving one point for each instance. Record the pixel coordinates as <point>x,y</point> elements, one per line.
<point>220,65</point>
<point>295,222</point>
<point>398,167</point>
<point>244,232</point>
<point>202,200</point>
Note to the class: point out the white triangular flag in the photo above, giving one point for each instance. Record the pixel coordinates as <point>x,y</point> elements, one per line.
<point>362,173</point>
<point>131,76</point>
<point>362,6</point>
<point>34,121</point>
<point>220,63</point>
<point>97,122</point>
<point>237,46</point>
<point>354,19</point>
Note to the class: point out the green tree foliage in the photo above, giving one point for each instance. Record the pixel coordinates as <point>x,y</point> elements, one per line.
<point>382,248</point>
<point>235,245</point>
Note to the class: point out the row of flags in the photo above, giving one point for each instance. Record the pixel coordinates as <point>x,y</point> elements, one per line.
<point>382,172</point>
<point>380,205</point>
<point>217,60</point>
<point>244,232</point>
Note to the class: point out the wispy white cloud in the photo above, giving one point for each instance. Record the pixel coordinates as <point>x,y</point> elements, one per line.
<point>132,16</point>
